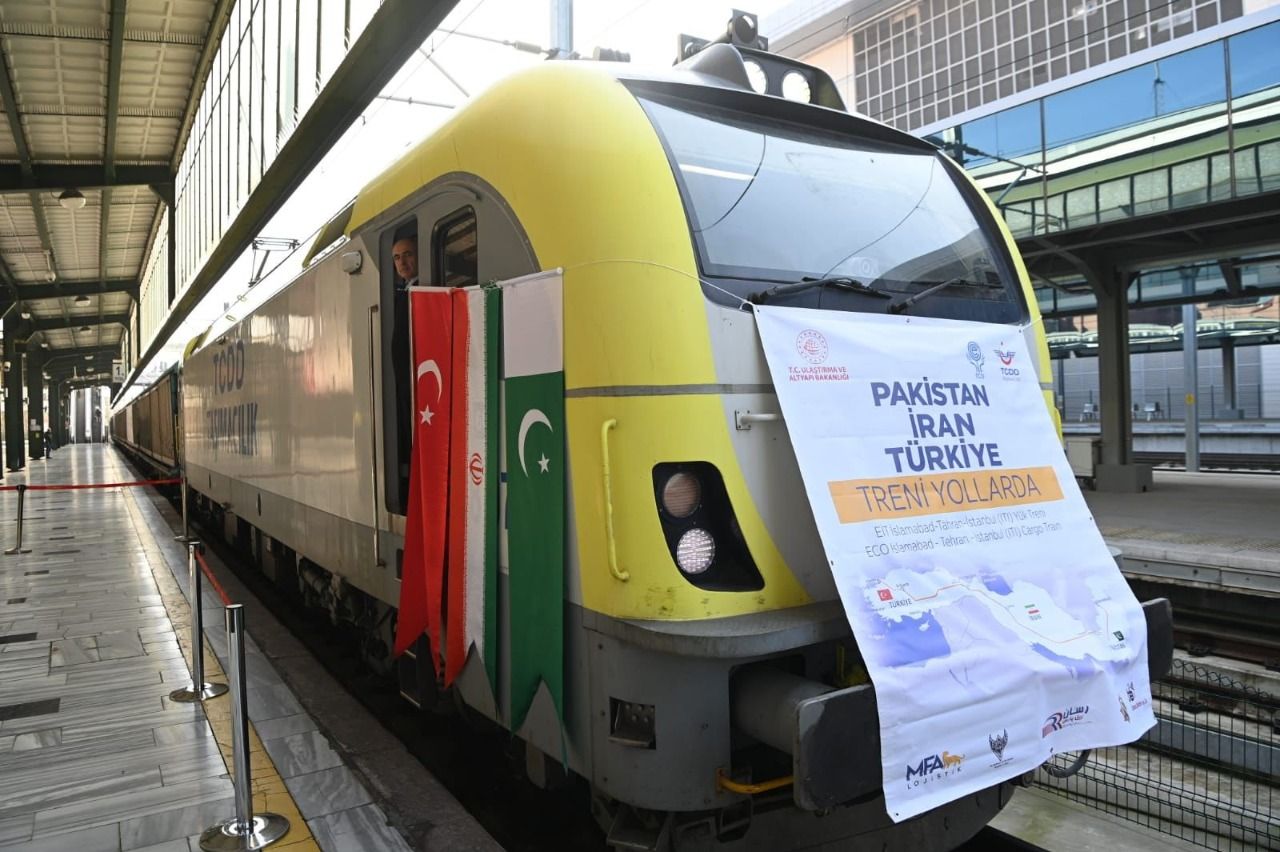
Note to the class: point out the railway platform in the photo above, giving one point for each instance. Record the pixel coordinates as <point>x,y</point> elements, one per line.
<point>1215,531</point>
<point>94,636</point>
<point>1041,820</point>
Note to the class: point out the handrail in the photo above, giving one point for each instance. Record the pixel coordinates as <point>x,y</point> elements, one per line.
<point>618,574</point>
<point>373,436</point>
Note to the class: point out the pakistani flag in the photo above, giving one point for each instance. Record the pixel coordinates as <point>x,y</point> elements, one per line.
<point>533,366</point>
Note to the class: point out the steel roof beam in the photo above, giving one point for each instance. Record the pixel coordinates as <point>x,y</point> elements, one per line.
<point>82,33</point>
<point>78,355</point>
<point>86,370</point>
<point>15,119</point>
<point>25,165</point>
<point>67,360</point>
<point>115,54</point>
<point>80,352</point>
<point>394,32</point>
<point>73,372</point>
<point>53,177</point>
<point>10,283</point>
<point>54,324</point>
<point>68,289</point>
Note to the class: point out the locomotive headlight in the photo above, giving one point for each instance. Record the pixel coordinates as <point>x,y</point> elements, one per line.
<point>795,87</point>
<point>755,74</point>
<point>695,551</point>
<point>681,494</point>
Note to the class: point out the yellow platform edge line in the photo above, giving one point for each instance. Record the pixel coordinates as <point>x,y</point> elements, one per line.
<point>270,795</point>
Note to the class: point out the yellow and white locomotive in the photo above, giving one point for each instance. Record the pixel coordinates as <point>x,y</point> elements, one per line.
<point>712,694</point>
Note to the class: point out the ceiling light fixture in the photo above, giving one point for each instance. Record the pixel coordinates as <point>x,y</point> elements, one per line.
<point>82,299</point>
<point>84,328</point>
<point>71,199</point>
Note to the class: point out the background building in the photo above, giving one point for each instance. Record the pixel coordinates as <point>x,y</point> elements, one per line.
<point>1133,147</point>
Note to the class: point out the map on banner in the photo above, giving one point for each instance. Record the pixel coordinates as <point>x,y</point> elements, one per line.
<point>991,616</point>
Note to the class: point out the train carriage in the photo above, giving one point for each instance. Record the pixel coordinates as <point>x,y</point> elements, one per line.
<point>150,428</point>
<point>699,612</point>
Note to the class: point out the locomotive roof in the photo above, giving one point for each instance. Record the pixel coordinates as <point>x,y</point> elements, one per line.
<point>584,93</point>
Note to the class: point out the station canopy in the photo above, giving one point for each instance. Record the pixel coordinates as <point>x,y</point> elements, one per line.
<point>99,98</point>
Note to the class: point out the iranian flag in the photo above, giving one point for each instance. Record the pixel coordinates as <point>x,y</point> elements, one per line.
<point>472,582</point>
<point>533,366</point>
<point>422,572</point>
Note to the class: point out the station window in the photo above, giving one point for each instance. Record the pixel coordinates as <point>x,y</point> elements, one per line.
<point>454,250</point>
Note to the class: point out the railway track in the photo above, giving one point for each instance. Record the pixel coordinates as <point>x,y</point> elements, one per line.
<point>1236,462</point>
<point>1202,632</point>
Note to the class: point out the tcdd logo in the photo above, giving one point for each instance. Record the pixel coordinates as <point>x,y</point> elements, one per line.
<point>228,367</point>
<point>1006,360</point>
<point>812,346</point>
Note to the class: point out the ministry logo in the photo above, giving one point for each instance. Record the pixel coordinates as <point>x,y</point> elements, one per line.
<point>812,346</point>
<point>999,742</point>
<point>974,353</point>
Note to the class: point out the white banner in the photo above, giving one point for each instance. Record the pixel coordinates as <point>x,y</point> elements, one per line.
<point>993,621</point>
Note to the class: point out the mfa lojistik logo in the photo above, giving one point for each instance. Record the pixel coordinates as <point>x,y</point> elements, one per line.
<point>812,346</point>
<point>934,767</point>
<point>974,353</point>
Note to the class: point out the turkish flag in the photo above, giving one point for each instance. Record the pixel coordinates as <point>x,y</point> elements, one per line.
<point>422,574</point>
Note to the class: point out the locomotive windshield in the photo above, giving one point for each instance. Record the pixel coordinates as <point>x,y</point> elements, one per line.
<point>772,201</point>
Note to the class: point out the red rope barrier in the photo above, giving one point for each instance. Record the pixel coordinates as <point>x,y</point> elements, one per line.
<point>213,581</point>
<point>78,487</point>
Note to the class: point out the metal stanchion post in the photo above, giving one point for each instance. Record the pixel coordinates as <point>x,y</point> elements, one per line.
<point>199,690</point>
<point>18,548</point>
<point>246,830</point>
<point>186,524</point>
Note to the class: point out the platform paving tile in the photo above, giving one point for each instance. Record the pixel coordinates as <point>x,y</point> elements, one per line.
<point>327,791</point>
<point>299,754</point>
<point>131,804</point>
<point>357,830</point>
<point>37,739</point>
<point>93,753</point>
<point>75,753</point>
<point>173,824</point>
<point>270,729</point>
<point>21,779</point>
<point>105,838</point>
<point>183,732</point>
<point>179,845</point>
<point>16,829</point>
<point>71,788</point>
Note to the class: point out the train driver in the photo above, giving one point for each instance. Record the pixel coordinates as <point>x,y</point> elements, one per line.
<point>404,257</point>
<point>404,254</point>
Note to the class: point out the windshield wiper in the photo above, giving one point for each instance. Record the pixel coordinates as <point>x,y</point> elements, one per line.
<point>902,306</point>
<point>849,285</point>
